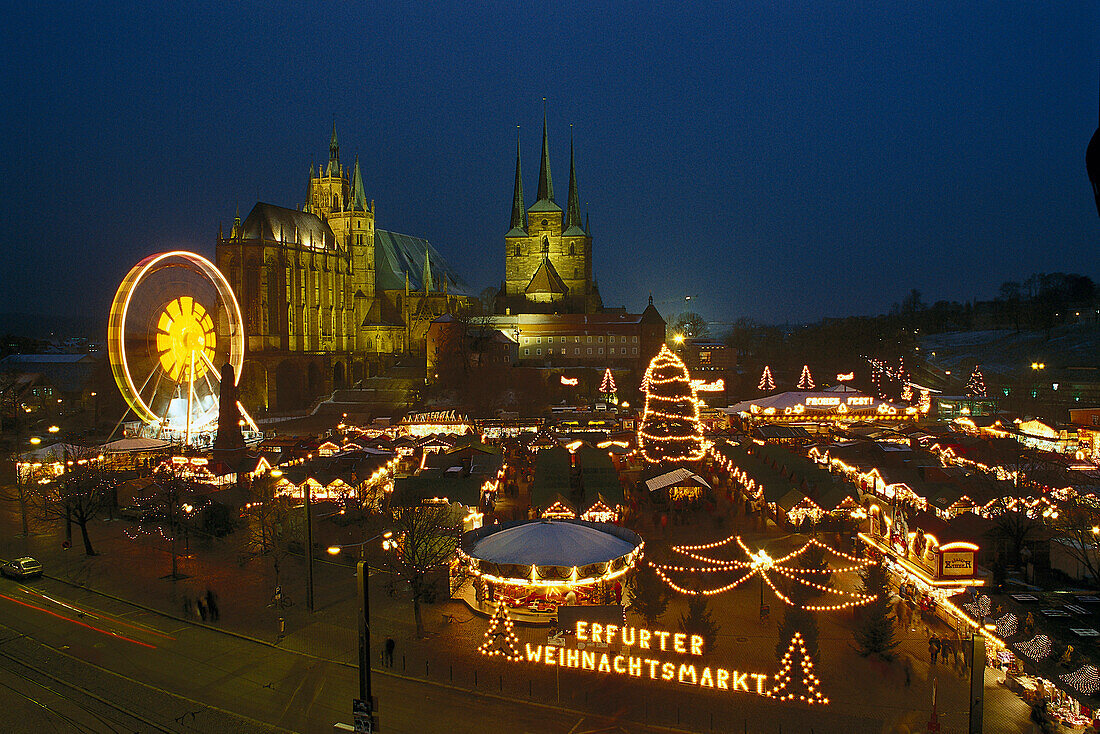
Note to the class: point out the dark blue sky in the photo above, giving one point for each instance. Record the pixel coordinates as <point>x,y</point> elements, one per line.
<point>781,161</point>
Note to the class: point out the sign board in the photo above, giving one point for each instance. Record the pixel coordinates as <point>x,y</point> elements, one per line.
<point>957,563</point>
<point>363,717</point>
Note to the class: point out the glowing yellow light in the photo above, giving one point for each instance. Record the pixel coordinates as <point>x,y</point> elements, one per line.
<point>53,429</point>
<point>36,440</point>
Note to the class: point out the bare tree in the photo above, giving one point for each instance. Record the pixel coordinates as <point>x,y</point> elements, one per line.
<point>20,492</point>
<point>427,536</point>
<point>79,495</point>
<point>1077,522</point>
<point>270,523</point>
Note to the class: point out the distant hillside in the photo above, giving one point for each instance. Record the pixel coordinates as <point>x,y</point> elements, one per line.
<point>1005,352</point>
<point>45,326</point>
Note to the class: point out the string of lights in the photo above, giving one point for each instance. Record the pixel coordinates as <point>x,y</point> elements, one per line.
<point>500,637</point>
<point>785,684</point>
<point>1085,679</point>
<point>761,563</point>
<point>1037,648</point>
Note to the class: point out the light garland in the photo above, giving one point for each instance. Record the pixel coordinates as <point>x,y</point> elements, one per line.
<point>783,688</point>
<point>1036,648</point>
<point>761,563</point>
<point>806,380</point>
<point>1085,679</point>
<point>496,639</point>
<point>975,386</point>
<point>766,383</point>
<point>1007,625</point>
<point>607,386</point>
<point>980,607</point>
<point>671,404</point>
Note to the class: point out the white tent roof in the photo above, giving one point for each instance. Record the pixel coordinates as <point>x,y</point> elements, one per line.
<point>56,451</point>
<point>674,477</point>
<point>133,445</point>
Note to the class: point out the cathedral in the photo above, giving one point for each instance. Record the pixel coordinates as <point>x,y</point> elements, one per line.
<point>326,298</point>
<point>547,251</point>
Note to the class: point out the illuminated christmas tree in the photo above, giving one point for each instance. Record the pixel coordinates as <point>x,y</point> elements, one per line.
<point>766,381</point>
<point>902,376</point>
<point>500,638</point>
<point>907,393</point>
<point>796,678</point>
<point>806,380</point>
<point>670,429</point>
<point>608,387</point>
<point>975,386</point>
<point>877,368</point>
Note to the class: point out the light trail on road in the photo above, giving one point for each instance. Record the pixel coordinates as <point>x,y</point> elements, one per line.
<point>97,614</point>
<point>52,613</point>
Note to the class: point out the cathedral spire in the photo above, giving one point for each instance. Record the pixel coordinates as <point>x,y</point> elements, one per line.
<point>546,185</point>
<point>333,152</point>
<point>573,207</point>
<point>358,196</point>
<point>426,279</point>
<point>519,209</point>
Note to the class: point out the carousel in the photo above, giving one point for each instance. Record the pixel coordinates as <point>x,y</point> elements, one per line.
<point>535,566</point>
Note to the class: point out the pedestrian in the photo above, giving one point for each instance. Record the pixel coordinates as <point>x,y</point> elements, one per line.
<point>947,647</point>
<point>390,645</point>
<point>188,610</point>
<point>907,668</point>
<point>202,609</point>
<point>212,604</point>
<point>933,647</point>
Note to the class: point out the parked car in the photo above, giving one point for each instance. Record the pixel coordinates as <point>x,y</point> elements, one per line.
<point>22,568</point>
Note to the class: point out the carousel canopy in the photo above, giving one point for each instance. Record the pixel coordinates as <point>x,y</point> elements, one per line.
<point>553,543</point>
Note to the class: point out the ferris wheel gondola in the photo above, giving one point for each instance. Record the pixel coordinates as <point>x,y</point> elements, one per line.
<point>173,320</point>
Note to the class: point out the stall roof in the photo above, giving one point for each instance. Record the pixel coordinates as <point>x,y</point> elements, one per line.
<point>675,477</point>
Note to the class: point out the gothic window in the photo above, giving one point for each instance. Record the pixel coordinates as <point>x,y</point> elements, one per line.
<point>544,223</point>
<point>370,344</point>
<point>517,251</point>
<point>545,246</point>
<point>290,320</point>
<point>572,249</point>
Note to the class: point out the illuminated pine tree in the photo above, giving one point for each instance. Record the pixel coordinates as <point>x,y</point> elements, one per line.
<point>500,638</point>
<point>607,386</point>
<point>975,386</point>
<point>670,429</point>
<point>766,382</point>
<point>806,380</point>
<point>902,376</point>
<point>796,680</point>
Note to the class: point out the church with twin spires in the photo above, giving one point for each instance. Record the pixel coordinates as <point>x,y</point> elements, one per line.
<point>547,250</point>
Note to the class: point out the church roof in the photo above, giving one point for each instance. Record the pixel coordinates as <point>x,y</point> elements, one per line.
<point>543,205</point>
<point>574,231</point>
<point>270,222</point>
<point>546,280</point>
<point>397,254</point>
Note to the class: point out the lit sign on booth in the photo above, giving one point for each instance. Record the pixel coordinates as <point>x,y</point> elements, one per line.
<point>957,560</point>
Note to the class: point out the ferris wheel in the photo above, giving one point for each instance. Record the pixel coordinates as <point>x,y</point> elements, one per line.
<point>173,322</point>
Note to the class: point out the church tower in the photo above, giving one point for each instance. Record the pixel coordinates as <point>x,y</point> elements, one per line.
<point>547,251</point>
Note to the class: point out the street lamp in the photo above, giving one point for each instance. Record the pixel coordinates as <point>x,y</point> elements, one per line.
<point>363,707</point>
<point>35,440</point>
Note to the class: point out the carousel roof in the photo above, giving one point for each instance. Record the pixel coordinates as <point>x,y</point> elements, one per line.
<point>554,543</point>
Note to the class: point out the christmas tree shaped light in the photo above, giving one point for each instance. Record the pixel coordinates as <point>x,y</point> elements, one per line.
<point>766,382</point>
<point>975,386</point>
<point>797,680</point>
<point>670,429</point>
<point>500,638</point>
<point>806,380</point>
<point>607,386</point>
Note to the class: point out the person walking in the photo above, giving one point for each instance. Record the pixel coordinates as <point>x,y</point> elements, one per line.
<point>188,609</point>
<point>388,650</point>
<point>933,647</point>
<point>212,604</point>
<point>202,609</point>
<point>907,668</point>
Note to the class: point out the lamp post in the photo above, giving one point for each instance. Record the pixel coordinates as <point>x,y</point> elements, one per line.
<point>309,543</point>
<point>364,706</point>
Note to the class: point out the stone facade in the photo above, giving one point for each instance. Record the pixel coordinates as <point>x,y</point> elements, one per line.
<point>323,306</point>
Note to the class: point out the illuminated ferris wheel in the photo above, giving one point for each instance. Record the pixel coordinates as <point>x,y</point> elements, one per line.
<point>173,322</point>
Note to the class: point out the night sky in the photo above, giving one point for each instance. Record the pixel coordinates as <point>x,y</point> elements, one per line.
<point>778,161</point>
